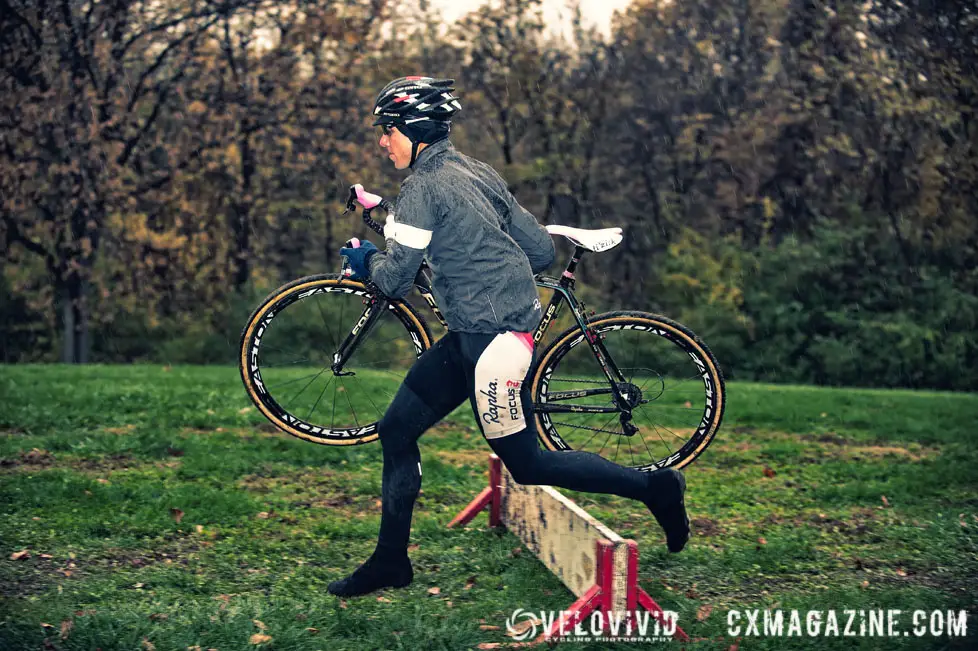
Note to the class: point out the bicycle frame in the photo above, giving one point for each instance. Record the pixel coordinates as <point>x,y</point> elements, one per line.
<point>563,290</point>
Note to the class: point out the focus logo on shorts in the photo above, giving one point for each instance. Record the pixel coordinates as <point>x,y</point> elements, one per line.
<point>513,397</point>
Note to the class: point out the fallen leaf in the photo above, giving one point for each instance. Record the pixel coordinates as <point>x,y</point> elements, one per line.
<point>244,410</point>
<point>261,625</point>
<point>516,551</point>
<point>703,612</point>
<point>138,585</point>
<point>488,627</point>
<point>378,504</point>
<point>177,515</point>
<point>435,590</point>
<point>16,556</point>
<point>159,617</point>
<point>865,584</point>
<point>448,604</point>
<point>102,481</point>
<point>489,645</point>
<point>342,604</point>
<point>901,572</point>
<point>194,648</point>
<point>886,502</point>
<point>734,646</point>
<point>312,631</point>
<point>46,625</point>
<point>768,472</point>
<point>262,515</point>
<point>469,583</point>
<point>258,638</point>
<point>66,626</point>
<point>383,600</point>
<point>199,528</point>
<point>45,556</point>
<point>687,404</point>
<point>762,541</point>
<point>148,646</point>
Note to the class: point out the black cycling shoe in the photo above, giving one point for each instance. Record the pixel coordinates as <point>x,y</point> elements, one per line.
<point>666,501</point>
<point>374,574</point>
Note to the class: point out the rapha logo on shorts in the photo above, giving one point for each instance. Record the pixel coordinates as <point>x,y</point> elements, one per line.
<point>491,415</point>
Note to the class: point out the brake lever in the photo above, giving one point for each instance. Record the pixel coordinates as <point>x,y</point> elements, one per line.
<point>351,202</point>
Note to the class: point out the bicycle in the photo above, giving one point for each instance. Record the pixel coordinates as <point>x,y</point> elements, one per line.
<point>663,356</point>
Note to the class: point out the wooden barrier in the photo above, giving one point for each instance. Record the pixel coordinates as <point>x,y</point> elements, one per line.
<point>596,564</point>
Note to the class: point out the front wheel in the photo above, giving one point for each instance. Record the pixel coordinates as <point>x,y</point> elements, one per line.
<point>669,399</point>
<point>288,358</point>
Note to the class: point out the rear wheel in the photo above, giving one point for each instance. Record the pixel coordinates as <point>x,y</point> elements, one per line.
<point>287,350</point>
<point>673,388</point>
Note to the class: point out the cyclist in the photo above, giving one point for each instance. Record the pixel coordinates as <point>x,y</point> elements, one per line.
<point>483,249</point>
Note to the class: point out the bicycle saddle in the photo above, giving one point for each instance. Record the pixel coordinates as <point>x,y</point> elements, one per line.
<point>599,239</point>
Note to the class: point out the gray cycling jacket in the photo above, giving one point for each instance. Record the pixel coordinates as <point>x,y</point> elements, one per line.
<point>482,245</point>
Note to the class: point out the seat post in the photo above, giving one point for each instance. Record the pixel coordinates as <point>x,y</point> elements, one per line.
<point>568,276</point>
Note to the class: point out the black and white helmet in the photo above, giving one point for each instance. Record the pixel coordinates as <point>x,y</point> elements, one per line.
<point>416,99</point>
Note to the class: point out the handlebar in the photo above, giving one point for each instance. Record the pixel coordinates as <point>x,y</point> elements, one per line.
<point>351,205</point>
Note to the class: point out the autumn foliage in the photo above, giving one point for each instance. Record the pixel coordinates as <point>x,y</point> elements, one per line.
<point>797,179</point>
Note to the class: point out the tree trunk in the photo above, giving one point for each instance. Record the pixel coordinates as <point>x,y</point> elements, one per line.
<point>74,315</point>
<point>242,218</point>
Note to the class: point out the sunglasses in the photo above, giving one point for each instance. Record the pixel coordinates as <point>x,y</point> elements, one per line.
<point>388,130</point>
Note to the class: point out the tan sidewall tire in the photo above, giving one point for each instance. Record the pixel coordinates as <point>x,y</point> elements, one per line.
<point>304,284</point>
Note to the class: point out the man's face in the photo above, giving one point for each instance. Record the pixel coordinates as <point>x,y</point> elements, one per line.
<point>397,146</point>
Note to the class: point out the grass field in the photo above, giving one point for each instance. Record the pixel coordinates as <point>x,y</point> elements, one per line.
<point>153,508</point>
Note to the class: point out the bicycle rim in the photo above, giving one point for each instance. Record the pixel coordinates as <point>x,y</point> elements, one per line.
<point>288,348</point>
<point>669,374</point>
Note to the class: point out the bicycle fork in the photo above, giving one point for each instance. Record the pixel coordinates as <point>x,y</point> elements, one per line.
<point>368,319</point>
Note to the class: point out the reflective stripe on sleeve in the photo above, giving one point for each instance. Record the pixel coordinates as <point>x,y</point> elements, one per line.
<point>410,236</point>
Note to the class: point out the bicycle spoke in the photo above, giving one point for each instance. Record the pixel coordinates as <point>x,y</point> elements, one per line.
<point>662,439</point>
<point>321,394</point>
<point>299,379</point>
<point>333,340</point>
<point>590,429</point>
<point>352,408</point>
<point>305,359</point>
<point>647,449</point>
<point>332,418</point>
<point>402,359</point>
<point>307,386</point>
<point>617,448</point>
<point>377,409</point>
